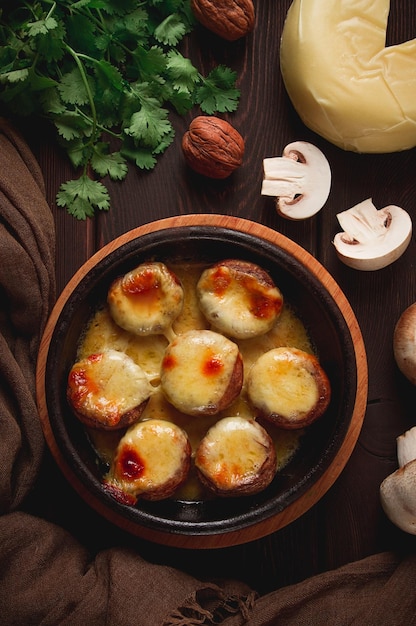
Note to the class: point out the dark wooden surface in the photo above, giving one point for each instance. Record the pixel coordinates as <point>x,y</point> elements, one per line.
<point>348,523</point>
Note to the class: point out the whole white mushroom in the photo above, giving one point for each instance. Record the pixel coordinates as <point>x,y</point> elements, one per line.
<point>404,343</point>
<point>398,491</point>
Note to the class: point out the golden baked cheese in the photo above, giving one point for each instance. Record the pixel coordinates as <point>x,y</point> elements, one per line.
<point>288,387</point>
<point>108,390</point>
<point>152,460</point>
<point>239,298</point>
<point>236,457</point>
<point>201,372</point>
<point>146,300</point>
<point>191,376</point>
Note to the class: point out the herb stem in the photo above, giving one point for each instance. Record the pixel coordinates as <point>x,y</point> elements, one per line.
<point>76,57</point>
<point>51,10</point>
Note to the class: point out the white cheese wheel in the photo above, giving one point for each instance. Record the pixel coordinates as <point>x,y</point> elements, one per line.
<point>152,460</point>
<point>343,81</point>
<point>108,390</point>
<point>146,300</point>
<point>202,372</point>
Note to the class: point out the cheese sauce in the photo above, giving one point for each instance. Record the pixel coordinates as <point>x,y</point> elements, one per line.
<point>102,333</point>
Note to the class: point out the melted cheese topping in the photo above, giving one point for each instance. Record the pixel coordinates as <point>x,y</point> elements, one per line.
<point>233,452</point>
<point>106,385</point>
<point>196,370</point>
<point>102,333</point>
<point>134,470</point>
<point>237,302</point>
<point>283,381</point>
<point>146,300</point>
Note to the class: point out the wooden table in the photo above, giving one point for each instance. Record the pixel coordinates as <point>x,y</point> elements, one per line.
<point>348,523</point>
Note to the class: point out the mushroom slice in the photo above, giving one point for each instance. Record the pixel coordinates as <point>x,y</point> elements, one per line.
<point>152,460</point>
<point>300,180</point>
<point>398,491</point>
<point>372,239</point>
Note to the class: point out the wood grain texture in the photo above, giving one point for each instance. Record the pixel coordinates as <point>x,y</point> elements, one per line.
<point>347,523</point>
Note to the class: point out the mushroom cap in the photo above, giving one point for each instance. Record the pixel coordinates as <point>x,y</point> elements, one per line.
<point>372,239</point>
<point>406,447</point>
<point>404,343</point>
<point>398,497</point>
<point>300,180</point>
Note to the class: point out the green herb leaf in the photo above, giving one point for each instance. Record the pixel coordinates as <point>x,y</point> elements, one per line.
<point>100,70</point>
<point>41,27</point>
<point>218,91</point>
<point>72,88</point>
<point>105,163</point>
<point>171,30</point>
<point>149,125</point>
<point>83,196</point>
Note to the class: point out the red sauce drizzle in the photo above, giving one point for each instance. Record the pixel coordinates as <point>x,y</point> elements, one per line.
<point>212,365</point>
<point>221,280</point>
<point>80,384</point>
<point>94,358</point>
<point>263,307</point>
<point>169,362</point>
<point>130,464</point>
<point>143,284</point>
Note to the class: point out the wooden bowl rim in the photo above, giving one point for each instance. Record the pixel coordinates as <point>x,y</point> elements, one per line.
<point>320,486</point>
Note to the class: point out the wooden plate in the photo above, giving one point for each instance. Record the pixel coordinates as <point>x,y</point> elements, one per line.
<point>328,445</point>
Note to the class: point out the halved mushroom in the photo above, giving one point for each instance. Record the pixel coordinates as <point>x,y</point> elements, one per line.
<point>398,491</point>
<point>300,180</point>
<point>372,238</point>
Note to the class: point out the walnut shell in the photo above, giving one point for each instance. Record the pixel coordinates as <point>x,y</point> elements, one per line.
<point>230,19</point>
<point>212,147</point>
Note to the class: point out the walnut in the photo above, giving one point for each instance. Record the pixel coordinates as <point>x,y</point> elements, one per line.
<point>212,147</point>
<point>230,19</point>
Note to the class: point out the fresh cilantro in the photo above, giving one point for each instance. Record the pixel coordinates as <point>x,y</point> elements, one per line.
<point>83,195</point>
<point>217,92</point>
<point>107,74</point>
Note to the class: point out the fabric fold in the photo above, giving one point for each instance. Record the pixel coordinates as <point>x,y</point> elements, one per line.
<point>27,287</point>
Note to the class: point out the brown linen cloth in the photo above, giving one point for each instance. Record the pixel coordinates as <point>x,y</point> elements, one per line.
<point>46,576</point>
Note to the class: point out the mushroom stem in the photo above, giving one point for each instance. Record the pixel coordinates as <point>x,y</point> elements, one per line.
<point>406,447</point>
<point>300,180</point>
